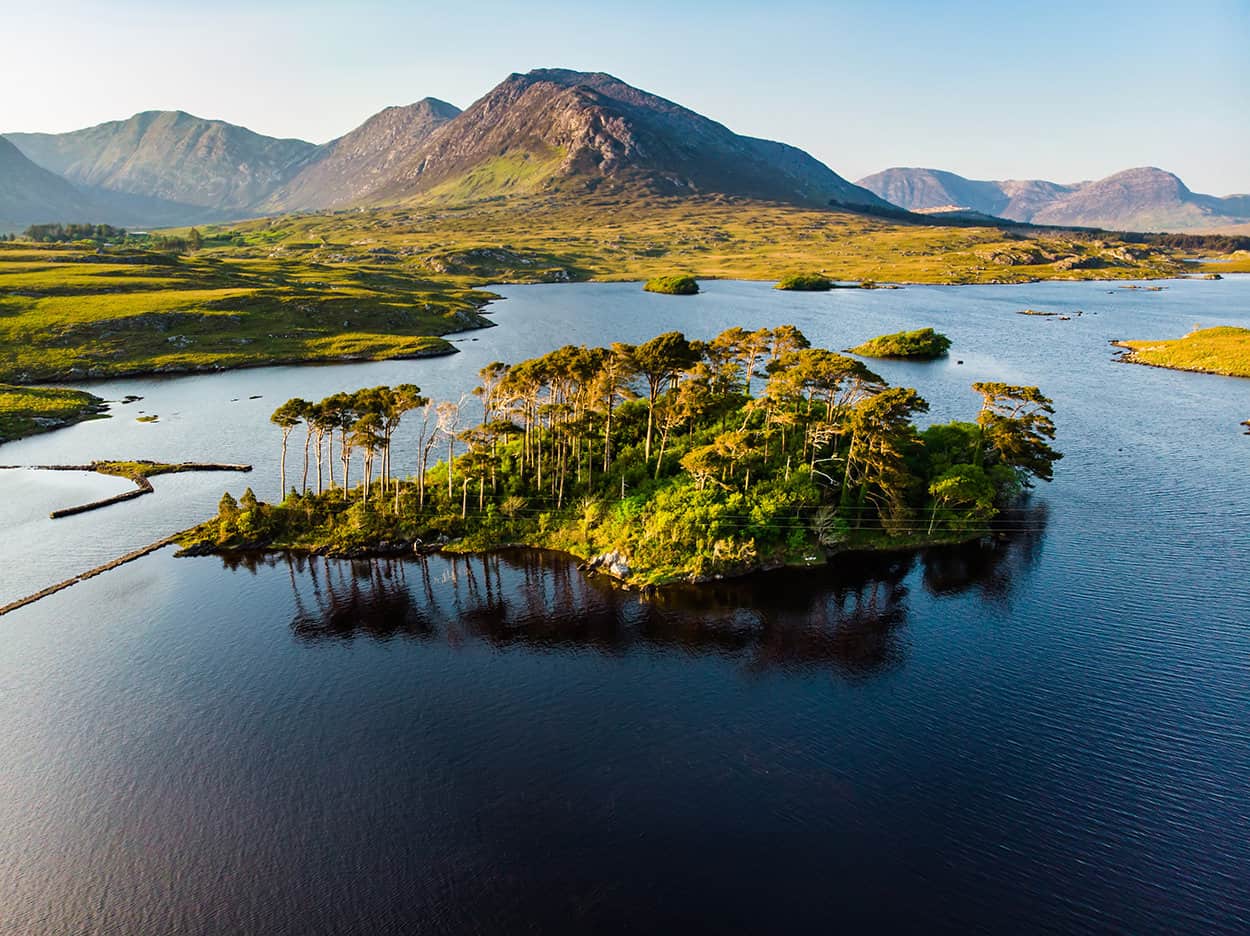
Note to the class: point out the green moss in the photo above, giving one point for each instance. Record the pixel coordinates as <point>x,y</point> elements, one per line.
<point>805,282</point>
<point>679,285</point>
<point>922,344</point>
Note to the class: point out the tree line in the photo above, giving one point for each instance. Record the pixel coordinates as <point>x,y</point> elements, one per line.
<point>65,233</point>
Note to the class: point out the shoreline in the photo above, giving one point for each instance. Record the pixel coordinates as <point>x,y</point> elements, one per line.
<point>600,565</point>
<point>198,369</point>
<point>1126,354</point>
<point>192,370</point>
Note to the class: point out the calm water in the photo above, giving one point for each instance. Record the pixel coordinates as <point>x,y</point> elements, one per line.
<point>1049,735</point>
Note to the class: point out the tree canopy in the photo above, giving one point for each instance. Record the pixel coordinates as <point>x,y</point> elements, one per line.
<point>921,344</point>
<point>691,458</point>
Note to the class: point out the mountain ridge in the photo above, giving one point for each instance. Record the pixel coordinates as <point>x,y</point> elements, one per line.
<point>551,132</point>
<point>351,165</point>
<point>580,131</point>
<point>548,130</point>
<point>172,156</point>
<point>26,191</point>
<point>1140,199</point>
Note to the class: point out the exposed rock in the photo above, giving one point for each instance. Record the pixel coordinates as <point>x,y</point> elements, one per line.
<point>587,132</point>
<point>612,563</point>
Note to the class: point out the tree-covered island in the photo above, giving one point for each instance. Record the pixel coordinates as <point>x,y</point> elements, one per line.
<point>923,344</point>
<point>678,285</point>
<point>672,460</point>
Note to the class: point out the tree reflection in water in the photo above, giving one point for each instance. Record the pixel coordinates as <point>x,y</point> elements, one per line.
<point>848,615</point>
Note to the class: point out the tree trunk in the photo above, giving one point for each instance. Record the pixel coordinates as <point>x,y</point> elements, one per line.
<point>286,433</point>
<point>307,440</point>
<point>450,454</point>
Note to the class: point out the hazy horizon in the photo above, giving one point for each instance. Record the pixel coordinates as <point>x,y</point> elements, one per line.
<point>988,96</point>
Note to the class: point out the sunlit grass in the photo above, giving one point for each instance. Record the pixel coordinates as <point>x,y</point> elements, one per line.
<point>1220,350</point>
<point>28,410</point>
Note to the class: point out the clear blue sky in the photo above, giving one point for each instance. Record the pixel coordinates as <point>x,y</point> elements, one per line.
<point>1056,90</point>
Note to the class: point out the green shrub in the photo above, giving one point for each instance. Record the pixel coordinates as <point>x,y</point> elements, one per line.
<point>922,344</point>
<point>805,282</point>
<point>679,285</point>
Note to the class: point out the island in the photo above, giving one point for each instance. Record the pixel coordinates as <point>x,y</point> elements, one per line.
<point>1224,349</point>
<point>923,344</point>
<point>805,282</point>
<point>679,285</point>
<point>669,461</point>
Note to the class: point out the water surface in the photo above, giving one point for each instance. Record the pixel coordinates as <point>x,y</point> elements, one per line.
<point>1047,734</point>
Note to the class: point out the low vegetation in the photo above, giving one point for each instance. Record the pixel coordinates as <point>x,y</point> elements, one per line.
<point>67,312</point>
<point>673,460</point>
<point>805,282</point>
<point>88,302</point>
<point>29,410</point>
<point>1221,350</point>
<point>679,285</point>
<point>923,344</point>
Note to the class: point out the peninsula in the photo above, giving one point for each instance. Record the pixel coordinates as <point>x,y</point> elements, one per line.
<point>1221,350</point>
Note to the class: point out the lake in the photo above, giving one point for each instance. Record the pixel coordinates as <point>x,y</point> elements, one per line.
<point>1046,734</point>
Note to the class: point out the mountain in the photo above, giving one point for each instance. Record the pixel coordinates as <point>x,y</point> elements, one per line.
<point>343,171</point>
<point>1145,199</point>
<point>551,131</point>
<point>171,157</point>
<point>30,194</point>
<point>556,130</point>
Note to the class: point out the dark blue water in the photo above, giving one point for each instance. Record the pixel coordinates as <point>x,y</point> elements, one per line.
<point>1050,734</point>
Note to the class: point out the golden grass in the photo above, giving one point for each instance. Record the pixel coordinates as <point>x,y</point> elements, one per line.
<point>1221,350</point>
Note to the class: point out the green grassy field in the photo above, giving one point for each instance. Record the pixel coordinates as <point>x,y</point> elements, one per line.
<point>382,283</point>
<point>29,410</point>
<point>1222,350</point>
<point>68,313</point>
<point>1238,262</point>
<point>535,238</point>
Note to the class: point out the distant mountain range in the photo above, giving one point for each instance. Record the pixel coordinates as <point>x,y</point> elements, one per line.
<point>29,193</point>
<point>1145,199</point>
<point>553,131</point>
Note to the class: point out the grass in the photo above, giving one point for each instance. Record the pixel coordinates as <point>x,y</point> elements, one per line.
<point>140,468</point>
<point>69,313</point>
<point>1221,350</point>
<point>708,236</point>
<point>29,410</point>
<point>508,173</point>
<point>922,344</point>
<point>390,282</point>
<point>678,285</point>
<point>1238,262</point>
